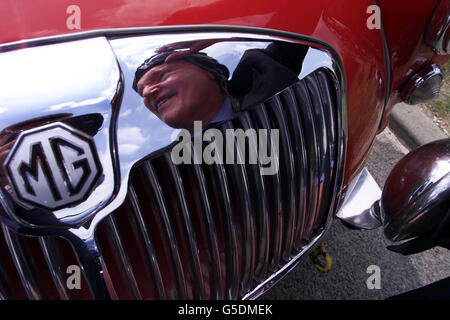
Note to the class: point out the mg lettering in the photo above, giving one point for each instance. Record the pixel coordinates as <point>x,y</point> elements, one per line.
<point>53,166</point>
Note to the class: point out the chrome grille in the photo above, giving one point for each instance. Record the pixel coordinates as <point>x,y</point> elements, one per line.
<point>226,228</point>
<point>214,231</point>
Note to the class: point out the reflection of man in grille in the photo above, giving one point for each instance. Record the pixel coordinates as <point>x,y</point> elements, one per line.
<point>181,87</point>
<point>179,90</point>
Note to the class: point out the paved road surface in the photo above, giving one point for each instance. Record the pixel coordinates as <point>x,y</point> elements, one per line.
<point>353,251</point>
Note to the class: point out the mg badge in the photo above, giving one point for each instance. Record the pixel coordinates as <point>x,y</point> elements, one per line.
<point>54,166</point>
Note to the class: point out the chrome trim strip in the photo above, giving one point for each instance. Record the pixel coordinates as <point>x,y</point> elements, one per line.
<point>308,123</point>
<point>121,256</point>
<point>323,150</point>
<point>216,273</point>
<point>331,109</point>
<point>150,175</point>
<point>138,31</point>
<point>325,90</point>
<point>280,274</point>
<point>139,222</point>
<point>54,262</point>
<point>23,265</point>
<point>189,233</point>
<point>261,212</point>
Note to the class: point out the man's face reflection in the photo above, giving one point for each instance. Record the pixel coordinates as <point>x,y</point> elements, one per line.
<point>179,92</point>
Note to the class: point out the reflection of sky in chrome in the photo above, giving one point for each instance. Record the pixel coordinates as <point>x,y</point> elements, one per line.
<point>314,59</point>
<point>56,78</point>
<point>140,132</point>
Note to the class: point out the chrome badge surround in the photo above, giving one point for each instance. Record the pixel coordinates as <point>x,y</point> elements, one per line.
<point>62,178</point>
<point>76,87</point>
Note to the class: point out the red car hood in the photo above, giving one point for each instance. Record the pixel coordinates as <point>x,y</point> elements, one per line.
<point>31,19</point>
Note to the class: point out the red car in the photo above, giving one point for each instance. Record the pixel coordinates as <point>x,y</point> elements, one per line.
<point>160,150</point>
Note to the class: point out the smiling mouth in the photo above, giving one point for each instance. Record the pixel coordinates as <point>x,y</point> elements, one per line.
<point>163,100</point>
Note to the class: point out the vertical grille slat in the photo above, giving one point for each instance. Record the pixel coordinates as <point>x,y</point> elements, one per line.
<point>287,175</point>
<point>324,152</point>
<point>152,264</point>
<point>54,262</point>
<point>24,265</point>
<point>150,175</point>
<point>299,149</point>
<point>260,197</point>
<point>261,120</point>
<point>325,90</point>
<point>330,115</point>
<point>232,258</point>
<point>211,235</point>
<point>240,182</point>
<point>122,257</point>
<point>303,98</point>
<point>189,232</point>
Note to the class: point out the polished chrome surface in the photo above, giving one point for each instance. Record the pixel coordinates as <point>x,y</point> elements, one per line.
<point>423,86</point>
<point>416,196</point>
<point>74,83</point>
<point>140,135</point>
<point>358,207</point>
